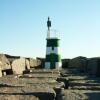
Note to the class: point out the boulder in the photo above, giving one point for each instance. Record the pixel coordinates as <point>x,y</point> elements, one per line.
<point>20,65</point>
<point>34,63</point>
<point>4,62</point>
<point>11,58</point>
<point>41,62</point>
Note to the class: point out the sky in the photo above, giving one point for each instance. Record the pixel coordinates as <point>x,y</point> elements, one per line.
<point>23,27</point>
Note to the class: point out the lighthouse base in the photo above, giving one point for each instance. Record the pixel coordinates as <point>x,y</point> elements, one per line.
<point>49,65</point>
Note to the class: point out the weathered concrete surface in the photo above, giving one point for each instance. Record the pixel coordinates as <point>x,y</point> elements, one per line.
<point>21,87</point>
<point>81,95</point>
<point>8,96</point>
<point>41,84</point>
<point>41,91</point>
<point>82,87</point>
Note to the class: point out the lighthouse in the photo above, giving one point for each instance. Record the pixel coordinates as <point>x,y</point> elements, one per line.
<point>53,57</point>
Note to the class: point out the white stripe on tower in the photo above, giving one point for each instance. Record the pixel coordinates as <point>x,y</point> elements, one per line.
<point>58,65</point>
<point>47,65</point>
<point>55,50</point>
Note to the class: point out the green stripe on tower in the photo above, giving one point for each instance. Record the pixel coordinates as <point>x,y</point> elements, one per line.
<point>53,58</point>
<point>53,42</point>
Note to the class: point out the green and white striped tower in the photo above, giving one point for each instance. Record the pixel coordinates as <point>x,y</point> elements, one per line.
<point>53,57</point>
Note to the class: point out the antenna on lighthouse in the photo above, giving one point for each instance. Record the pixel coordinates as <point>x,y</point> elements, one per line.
<point>48,25</point>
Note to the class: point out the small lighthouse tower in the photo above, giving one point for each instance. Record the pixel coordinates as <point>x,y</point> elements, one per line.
<point>53,57</point>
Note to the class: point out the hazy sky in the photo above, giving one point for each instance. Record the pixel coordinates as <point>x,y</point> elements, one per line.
<point>23,27</point>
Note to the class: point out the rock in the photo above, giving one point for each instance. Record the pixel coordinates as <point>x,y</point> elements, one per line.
<point>34,63</point>
<point>42,62</point>
<point>93,66</point>
<point>65,63</point>
<point>18,97</point>
<point>11,58</point>
<point>27,64</point>
<point>5,67</point>
<point>19,65</point>
<point>65,80</point>
<point>98,69</point>
<point>79,63</point>
<point>59,93</point>
<point>0,72</point>
<point>4,62</point>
